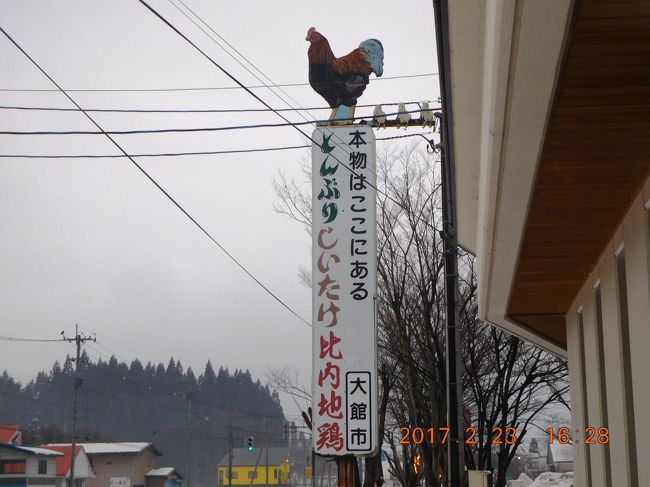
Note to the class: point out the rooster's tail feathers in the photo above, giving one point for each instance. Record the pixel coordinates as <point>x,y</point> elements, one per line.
<point>375,51</point>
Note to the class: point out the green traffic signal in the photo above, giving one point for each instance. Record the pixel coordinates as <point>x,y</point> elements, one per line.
<point>249,444</point>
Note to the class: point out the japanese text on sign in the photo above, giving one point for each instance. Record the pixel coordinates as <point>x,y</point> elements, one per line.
<point>344,289</point>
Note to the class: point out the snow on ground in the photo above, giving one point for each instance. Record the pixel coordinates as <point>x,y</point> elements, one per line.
<point>546,479</point>
<point>554,479</point>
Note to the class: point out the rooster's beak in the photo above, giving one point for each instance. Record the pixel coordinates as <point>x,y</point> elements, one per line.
<point>307,38</point>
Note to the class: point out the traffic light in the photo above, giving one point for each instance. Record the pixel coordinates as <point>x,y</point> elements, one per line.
<point>249,444</point>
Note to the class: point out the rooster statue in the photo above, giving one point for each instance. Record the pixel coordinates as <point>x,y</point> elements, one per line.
<point>341,81</point>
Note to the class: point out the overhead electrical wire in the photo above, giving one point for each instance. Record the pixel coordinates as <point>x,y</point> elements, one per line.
<point>273,87</point>
<point>21,339</point>
<point>169,196</point>
<point>178,154</point>
<point>235,58</point>
<point>190,129</point>
<point>189,110</point>
<point>205,88</point>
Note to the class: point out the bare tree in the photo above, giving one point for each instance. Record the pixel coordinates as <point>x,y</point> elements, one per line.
<point>506,382</point>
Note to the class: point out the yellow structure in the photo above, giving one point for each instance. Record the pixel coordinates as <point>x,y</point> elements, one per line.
<point>250,468</point>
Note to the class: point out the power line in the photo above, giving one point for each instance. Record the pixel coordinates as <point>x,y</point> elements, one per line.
<point>273,89</point>
<point>188,110</point>
<point>275,86</point>
<point>170,197</point>
<point>206,88</point>
<point>192,130</point>
<point>21,339</point>
<point>179,154</point>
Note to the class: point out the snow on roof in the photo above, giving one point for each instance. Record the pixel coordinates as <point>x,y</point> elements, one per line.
<point>163,472</point>
<point>31,450</point>
<point>555,479</point>
<point>159,472</point>
<point>114,448</point>
<point>558,453</point>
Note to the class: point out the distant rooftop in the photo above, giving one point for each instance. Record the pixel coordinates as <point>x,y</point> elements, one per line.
<point>30,450</point>
<point>163,472</point>
<point>558,453</point>
<point>114,448</point>
<point>63,463</point>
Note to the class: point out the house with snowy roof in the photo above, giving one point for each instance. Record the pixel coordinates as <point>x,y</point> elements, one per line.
<point>163,477</point>
<point>21,466</point>
<point>559,457</point>
<point>123,464</point>
<point>83,469</point>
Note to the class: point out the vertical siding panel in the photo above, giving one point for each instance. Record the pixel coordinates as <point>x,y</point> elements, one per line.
<point>576,374</point>
<point>637,264</point>
<point>613,359</point>
<point>593,382</point>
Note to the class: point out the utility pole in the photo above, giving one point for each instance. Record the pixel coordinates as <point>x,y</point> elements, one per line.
<point>78,340</point>
<point>455,446</point>
<point>188,396</point>
<point>306,417</point>
<point>229,455</point>
<point>267,451</point>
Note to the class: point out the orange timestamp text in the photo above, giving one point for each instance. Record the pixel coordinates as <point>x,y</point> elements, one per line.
<point>418,435</point>
<point>590,435</point>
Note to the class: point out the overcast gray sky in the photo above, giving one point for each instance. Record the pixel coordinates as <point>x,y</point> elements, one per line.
<point>92,241</point>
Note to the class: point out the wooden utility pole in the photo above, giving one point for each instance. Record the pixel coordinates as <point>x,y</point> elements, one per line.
<point>348,471</point>
<point>78,340</point>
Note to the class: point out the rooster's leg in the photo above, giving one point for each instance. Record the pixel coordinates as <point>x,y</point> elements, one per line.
<point>342,115</point>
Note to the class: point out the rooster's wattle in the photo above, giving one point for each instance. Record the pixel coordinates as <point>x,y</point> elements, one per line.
<point>341,81</point>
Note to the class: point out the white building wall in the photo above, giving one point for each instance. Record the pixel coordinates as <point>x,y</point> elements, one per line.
<point>614,348</point>
<point>579,416</point>
<point>594,390</point>
<point>605,392</point>
<point>32,466</point>
<point>636,236</point>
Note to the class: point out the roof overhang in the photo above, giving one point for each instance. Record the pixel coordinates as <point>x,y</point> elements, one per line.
<point>515,52</point>
<point>555,148</point>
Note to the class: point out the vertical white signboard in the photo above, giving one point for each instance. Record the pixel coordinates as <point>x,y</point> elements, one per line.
<point>344,276</point>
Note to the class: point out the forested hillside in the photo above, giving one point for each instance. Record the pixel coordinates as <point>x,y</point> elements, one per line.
<point>120,402</point>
